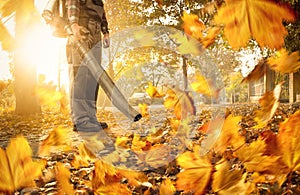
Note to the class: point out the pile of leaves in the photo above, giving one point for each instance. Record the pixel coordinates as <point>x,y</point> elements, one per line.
<point>245,159</point>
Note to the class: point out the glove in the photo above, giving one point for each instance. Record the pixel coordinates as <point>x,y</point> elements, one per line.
<point>106,40</point>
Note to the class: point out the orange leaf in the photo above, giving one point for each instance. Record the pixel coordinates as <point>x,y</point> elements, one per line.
<point>192,25</point>
<point>284,62</point>
<point>17,169</point>
<point>225,177</point>
<point>210,38</point>
<point>259,71</point>
<point>269,103</point>
<point>196,172</point>
<point>57,139</point>
<point>254,158</point>
<point>259,19</point>
<point>84,158</point>
<point>167,187</point>
<point>229,136</point>
<point>289,141</point>
<point>181,102</point>
<point>63,180</point>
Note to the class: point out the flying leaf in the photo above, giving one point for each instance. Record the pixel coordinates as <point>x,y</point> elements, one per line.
<point>6,39</point>
<point>260,19</point>
<point>258,72</point>
<point>225,177</point>
<point>167,187</point>
<point>17,169</point>
<point>104,174</point>
<point>229,136</point>
<point>210,38</point>
<point>63,180</point>
<point>254,158</point>
<point>284,62</point>
<point>289,141</point>
<point>187,45</point>
<point>113,189</point>
<point>144,36</point>
<point>84,158</point>
<point>181,102</point>
<point>203,86</point>
<point>269,103</point>
<point>58,139</point>
<point>153,92</point>
<point>192,25</point>
<point>196,174</point>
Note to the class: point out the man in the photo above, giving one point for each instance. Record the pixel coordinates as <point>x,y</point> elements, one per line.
<point>88,21</point>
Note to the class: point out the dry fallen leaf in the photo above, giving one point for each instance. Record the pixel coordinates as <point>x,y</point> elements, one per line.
<point>258,72</point>
<point>167,187</point>
<point>63,180</point>
<point>192,25</point>
<point>17,169</point>
<point>254,158</point>
<point>58,139</point>
<point>269,103</point>
<point>196,173</point>
<point>289,141</point>
<point>260,20</point>
<point>285,62</point>
<point>181,102</point>
<point>225,177</point>
<point>229,136</point>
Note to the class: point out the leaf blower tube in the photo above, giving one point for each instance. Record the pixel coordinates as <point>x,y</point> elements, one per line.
<point>104,80</point>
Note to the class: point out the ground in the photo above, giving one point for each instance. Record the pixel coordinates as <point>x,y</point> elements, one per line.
<point>36,128</point>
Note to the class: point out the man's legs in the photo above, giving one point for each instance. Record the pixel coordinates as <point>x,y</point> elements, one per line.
<point>84,91</point>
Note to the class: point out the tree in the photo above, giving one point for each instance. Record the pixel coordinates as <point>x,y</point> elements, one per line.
<point>24,72</point>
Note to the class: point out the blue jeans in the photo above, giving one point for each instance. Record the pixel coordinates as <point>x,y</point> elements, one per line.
<point>84,91</point>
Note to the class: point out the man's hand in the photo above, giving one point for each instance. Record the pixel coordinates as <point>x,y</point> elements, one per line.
<point>76,31</point>
<point>106,41</point>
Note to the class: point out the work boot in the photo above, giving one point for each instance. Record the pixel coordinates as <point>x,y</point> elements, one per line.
<point>103,125</point>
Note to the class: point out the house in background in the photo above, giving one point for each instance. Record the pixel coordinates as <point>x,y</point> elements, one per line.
<point>290,91</point>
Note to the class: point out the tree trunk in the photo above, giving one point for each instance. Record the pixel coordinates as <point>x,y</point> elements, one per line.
<point>25,72</point>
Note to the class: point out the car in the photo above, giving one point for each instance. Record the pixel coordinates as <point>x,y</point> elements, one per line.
<point>139,98</point>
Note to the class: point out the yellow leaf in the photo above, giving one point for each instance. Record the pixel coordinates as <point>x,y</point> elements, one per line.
<point>153,92</point>
<point>269,103</point>
<point>203,86</point>
<point>181,102</point>
<point>144,36</point>
<point>255,160</point>
<point>58,139</point>
<point>258,19</point>
<point>225,177</point>
<point>144,109</point>
<point>284,62</point>
<point>84,158</point>
<point>229,136</point>
<point>137,143</point>
<point>187,45</point>
<point>134,178</point>
<point>63,180</point>
<point>167,187</point>
<point>196,173</point>
<point>289,141</point>
<point>17,169</point>
<point>192,25</point>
